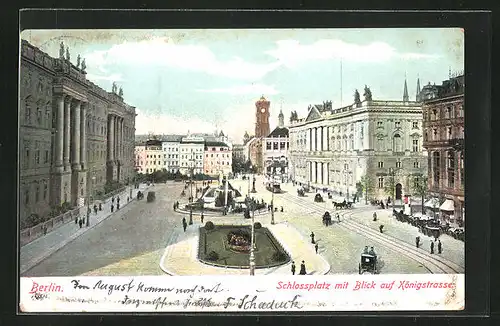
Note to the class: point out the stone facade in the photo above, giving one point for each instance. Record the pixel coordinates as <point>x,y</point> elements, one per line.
<point>191,151</point>
<point>444,140</point>
<point>335,148</point>
<point>70,131</point>
<point>218,159</point>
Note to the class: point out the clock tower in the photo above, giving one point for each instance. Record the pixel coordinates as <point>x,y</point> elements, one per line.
<point>262,118</point>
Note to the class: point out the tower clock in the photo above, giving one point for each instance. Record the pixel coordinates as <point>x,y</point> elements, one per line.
<point>262,117</point>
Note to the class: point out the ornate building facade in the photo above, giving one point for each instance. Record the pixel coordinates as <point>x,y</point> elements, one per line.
<point>378,140</point>
<point>71,133</point>
<point>218,158</point>
<point>275,152</point>
<point>443,113</point>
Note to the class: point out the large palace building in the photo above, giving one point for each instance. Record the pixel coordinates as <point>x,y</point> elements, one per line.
<point>378,140</point>
<point>71,133</point>
<point>444,140</point>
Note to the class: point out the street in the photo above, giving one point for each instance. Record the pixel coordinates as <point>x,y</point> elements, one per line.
<point>133,240</point>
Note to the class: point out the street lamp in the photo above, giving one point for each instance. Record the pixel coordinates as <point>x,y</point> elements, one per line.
<point>88,198</point>
<point>252,245</point>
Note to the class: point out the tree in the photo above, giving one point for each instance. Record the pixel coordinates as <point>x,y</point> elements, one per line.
<point>419,187</point>
<point>366,186</point>
<point>390,186</point>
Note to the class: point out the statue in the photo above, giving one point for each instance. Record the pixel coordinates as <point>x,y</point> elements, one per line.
<point>367,94</point>
<point>84,66</point>
<point>78,61</point>
<point>357,99</point>
<point>113,88</point>
<point>61,50</point>
<point>120,92</point>
<point>67,54</point>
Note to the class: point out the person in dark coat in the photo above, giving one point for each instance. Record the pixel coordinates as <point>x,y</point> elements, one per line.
<point>202,217</point>
<point>112,208</point>
<point>80,222</point>
<point>316,247</point>
<point>440,247</point>
<point>95,209</point>
<point>432,247</point>
<point>312,238</point>
<point>303,269</point>
<point>417,241</point>
<point>113,199</point>
<point>100,206</point>
<point>117,205</point>
<point>374,217</point>
<point>118,200</point>
<point>293,268</point>
<point>184,224</point>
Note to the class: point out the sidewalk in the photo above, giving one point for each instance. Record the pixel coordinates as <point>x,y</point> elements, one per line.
<point>181,258</point>
<point>36,251</point>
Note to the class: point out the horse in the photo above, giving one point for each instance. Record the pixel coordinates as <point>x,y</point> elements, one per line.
<point>338,205</point>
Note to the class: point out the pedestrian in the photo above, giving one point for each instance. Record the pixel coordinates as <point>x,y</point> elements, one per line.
<point>80,223</point>
<point>316,247</point>
<point>113,199</point>
<point>174,207</point>
<point>201,217</point>
<point>293,268</point>
<point>100,207</point>
<point>76,219</point>
<point>112,208</point>
<point>95,209</point>
<point>312,238</point>
<point>417,241</point>
<point>432,247</point>
<point>44,229</point>
<point>303,268</point>
<point>375,217</point>
<point>338,217</point>
<point>372,251</point>
<point>184,224</point>
<point>365,251</point>
<point>440,247</point>
<point>128,199</point>
<point>381,228</point>
<point>117,205</point>
<point>118,200</point>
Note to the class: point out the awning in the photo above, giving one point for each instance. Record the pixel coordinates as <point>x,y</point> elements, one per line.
<point>433,202</point>
<point>448,205</point>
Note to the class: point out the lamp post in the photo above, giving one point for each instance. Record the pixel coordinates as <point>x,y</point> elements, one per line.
<point>88,198</point>
<point>248,193</point>
<point>252,244</point>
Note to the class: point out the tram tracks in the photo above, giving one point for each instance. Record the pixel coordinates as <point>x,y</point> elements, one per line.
<point>435,264</point>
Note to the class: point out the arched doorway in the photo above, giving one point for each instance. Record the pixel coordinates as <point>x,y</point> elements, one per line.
<point>399,191</point>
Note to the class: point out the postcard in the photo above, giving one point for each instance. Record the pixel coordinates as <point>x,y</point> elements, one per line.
<point>241,170</point>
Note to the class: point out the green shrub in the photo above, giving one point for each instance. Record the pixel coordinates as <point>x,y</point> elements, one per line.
<point>209,226</point>
<point>257,225</point>
<point>213,256</point>
<point>278,257</point>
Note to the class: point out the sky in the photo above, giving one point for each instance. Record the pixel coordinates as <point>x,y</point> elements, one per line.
<point>199,81</point>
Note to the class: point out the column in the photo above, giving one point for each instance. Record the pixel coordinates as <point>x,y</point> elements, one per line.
<point>322,169</point>
<point>83,136</point>
<point>111,128</point>
<point>309,143</point>
<point>67,122</point>
<point>310,171</point>
<point>75,137</point>
<point>328,174</point>
<point>322,138</point>
<point>328,138</point>
<point>315,172</point>
<point>315,135</point>
<point>59,136</point>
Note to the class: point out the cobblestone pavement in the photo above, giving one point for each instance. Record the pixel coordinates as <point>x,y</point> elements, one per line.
<point>135,236</point>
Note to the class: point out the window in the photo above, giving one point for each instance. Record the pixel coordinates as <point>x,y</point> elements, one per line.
<point>397,124</point>
<point>380,124</point>
<point>27,116</point>
<point>435,134</point>
<point>45,191</point>
<point>381,182</point>
<point>26,197</point>
<point>37,193</point>
<point>282,145</point>
<point>415,145</point>
<point>275,145</point>
<point>46,159</point>
<point>398,164</point>
<point>434,114</point>
<point>436,162</point>
<point>37,156</point>
<point>461,111</point>
<point>449,112</point>
<point>415,125</point>
<point>416,164</point>
<point>39,117</point>
<point>380,164</point>
<point>27,158</point>
<point>450,133</point>
<point>461,166</point>
<point>397,145</point>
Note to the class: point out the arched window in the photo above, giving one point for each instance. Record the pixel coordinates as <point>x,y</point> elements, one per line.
<point>397,144</point>
<point>380,144</point>
<point>351,139</point>
<point>27,110</point>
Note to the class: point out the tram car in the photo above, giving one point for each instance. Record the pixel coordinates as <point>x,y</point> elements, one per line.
<point>273,186</point>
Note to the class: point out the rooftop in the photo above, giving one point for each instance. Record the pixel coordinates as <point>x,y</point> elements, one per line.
<point>279,132</point>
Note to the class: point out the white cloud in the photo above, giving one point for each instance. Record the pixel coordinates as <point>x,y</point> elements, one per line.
<point>253,89</point>
<point>291,52</point>
<point>164,52</point>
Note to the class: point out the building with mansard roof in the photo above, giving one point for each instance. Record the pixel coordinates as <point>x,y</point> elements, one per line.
<point>380,140</point>
<point>74,137</point>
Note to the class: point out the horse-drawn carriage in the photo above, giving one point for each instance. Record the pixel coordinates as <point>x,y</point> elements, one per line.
<point>318,198</point>
<point>342,205</point>
<point>301,192</point>
<point>151,196</point>
<point>368,263</point>
<point>140,195</point>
